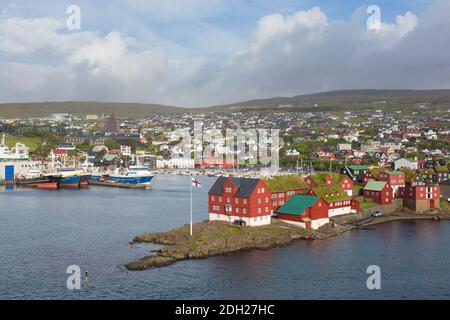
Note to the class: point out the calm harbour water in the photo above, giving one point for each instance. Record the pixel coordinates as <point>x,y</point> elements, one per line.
<point>43,232</point>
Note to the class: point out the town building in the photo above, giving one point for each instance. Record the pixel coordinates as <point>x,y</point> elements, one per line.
<point>243,200</point>
<point>406,163</point>
<point>442,173</point>
<point>421,195</point>
<point>395,179</point>
<point>283,187</point>
<point>378,191</point>
<point>309,212</point>
<point>356,173</point>
<point>339,202</point>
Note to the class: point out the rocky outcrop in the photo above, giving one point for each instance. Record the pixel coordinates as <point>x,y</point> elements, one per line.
<point>215,238</point>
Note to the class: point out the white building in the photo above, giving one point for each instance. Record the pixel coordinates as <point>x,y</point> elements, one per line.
<point>182,163</point>
<point>344,147</point>
<point>125,151</point>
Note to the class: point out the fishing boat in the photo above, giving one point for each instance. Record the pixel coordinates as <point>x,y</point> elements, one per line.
<point>47,182</point>
<point>73,178</point>
<point>70,181</point>
<point>134,175</point>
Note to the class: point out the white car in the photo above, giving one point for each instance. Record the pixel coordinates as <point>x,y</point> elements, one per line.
<point>377,214</point>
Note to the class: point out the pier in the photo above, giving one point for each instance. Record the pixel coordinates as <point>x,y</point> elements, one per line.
<point>120,185</point>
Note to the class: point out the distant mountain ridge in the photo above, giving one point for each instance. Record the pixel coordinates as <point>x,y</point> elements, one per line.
<point>332,100</point>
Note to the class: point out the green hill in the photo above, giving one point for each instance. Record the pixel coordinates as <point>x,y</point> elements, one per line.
<point>344,100</point>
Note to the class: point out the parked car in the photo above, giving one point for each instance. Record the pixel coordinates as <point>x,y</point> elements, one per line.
<point>377,214</point>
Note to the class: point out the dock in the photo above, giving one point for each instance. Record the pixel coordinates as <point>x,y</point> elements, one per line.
<point>119,185</point>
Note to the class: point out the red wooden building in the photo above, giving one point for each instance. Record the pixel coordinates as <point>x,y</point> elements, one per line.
<point>310,212</point>
<point>396,179</point>
<point>284,187</point>
<point>378,192</point>
<point>240,199</point>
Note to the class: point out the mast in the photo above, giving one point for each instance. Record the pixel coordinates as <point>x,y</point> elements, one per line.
<point>191,209</point>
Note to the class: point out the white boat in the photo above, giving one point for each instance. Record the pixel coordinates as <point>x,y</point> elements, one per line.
<point>19,152</point>
<point>136,175</point>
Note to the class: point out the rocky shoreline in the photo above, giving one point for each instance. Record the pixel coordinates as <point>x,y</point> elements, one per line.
<point>218,238</point>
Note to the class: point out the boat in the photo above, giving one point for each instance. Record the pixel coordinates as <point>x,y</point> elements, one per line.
<point>47,182</point>
<point>135,176</point>
<point>19,152</point>
<point>73,178</point>
<point>70,181</point>
<point>84,180</point>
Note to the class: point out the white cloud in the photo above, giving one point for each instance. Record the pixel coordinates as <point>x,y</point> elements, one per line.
<point>288,55</point>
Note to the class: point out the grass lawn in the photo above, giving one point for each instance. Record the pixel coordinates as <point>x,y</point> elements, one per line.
<point>367,204</point>
<point>357,189</point>
<point>32,143</point>
<point>445,205</point>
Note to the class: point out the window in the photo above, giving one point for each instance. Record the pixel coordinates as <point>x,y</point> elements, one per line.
<point>267,200</point>
<point>259,210</point>
<point>216,208</point>
<point>262,190</point>
<point>245,201</point>
<point>213,198</point>
<point>236,200</point>
<point>259,200</point>
<point>228,200</point>
<point>228,190</point>
<point>244,211</point>
<point>237,210</point>
<point>220,199</point>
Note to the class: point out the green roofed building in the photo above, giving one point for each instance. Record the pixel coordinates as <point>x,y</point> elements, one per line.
<point>356,173</point>
<point>378,191</point>
<point>309,212</point>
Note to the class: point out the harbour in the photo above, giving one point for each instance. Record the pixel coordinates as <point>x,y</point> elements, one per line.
<point>43,232</point>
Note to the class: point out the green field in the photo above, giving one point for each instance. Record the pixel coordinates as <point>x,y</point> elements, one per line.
<point>32,143</point>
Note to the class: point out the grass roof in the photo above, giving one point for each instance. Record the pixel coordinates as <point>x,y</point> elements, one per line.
<point>283,183</point>
<point>409,173</point>
<point>331,194</point>
<point>319,178</point>
<point>441,169</point>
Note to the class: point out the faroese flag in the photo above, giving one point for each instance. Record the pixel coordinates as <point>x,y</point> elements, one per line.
<point>196,183</point>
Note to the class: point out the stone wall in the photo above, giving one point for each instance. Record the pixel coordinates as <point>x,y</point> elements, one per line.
<point>395,207</point>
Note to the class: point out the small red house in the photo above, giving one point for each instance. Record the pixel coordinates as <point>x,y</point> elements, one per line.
<point>378,191</point>
<point>367,176</point>
<point>396,179</point>
<point>240,199</point>
<point>310,212</point>
<point>346,184</point>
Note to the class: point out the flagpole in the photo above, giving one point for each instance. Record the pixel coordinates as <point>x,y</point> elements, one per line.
<point>191,207</point>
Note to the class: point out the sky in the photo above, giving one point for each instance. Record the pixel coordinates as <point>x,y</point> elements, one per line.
<point>195,53</point>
